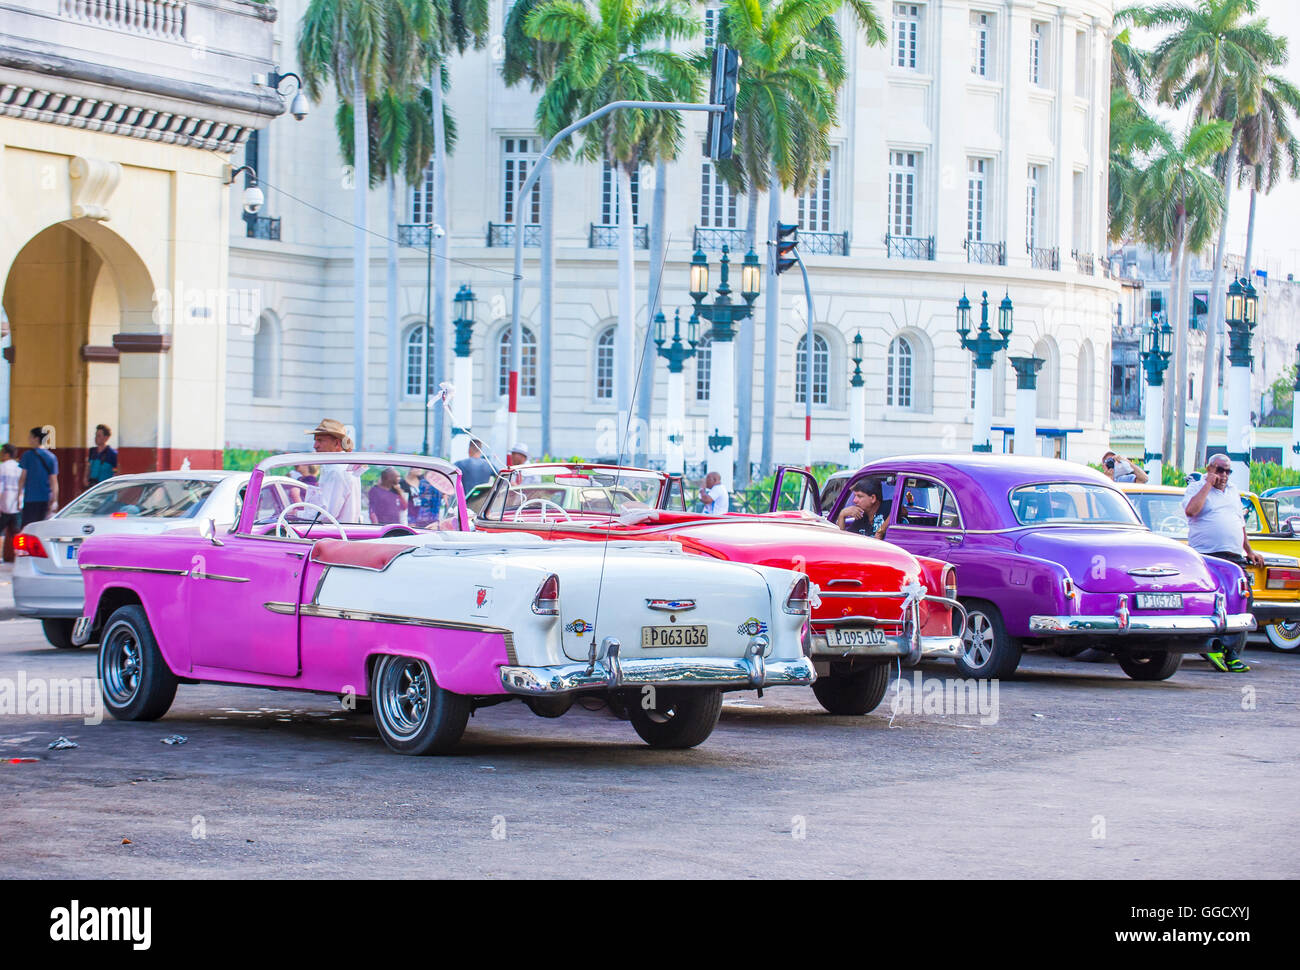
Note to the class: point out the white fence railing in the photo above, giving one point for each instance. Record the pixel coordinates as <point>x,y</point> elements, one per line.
<point>152,18</point>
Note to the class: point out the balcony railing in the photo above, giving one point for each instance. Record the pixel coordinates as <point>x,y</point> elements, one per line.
<point>817,243</point>
<point>711,240</point>
<point>606,237</point>
<point>909,247</point>
<point>1044,257</point>
<point>988,253</point>
<point>1084,262</point>
<point>153,18</point>
<point>414,234</point>
<point>262,227</point>
<point>503,234</point>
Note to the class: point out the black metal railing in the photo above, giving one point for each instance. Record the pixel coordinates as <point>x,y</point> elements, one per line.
<point>606,237</point>
<point>1044,257</point>
<point>814,242</point>
<point>503,234</point>
<point>712,240</point>
<point>263,227</point>
<point>988,253</point>
<point>909,247</point>
<point>416,235</point>
<point>1085,262</point>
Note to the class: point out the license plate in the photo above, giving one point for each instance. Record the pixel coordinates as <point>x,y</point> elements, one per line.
<point>674,636</point>
<point>72,551</point>
<point>1159,601</point>
<point>854,637</point>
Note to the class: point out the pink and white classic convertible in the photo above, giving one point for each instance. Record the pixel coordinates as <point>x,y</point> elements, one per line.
<point>367,580</point>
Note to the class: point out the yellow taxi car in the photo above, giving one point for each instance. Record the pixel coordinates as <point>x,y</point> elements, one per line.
<point>1276,586</point>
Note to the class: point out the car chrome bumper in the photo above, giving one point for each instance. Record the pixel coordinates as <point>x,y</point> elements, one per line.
<point>1268,612</point>
<point>81,630</point>
<point>1122,623</point>
<point>610,671</point>
<point>892,647</point>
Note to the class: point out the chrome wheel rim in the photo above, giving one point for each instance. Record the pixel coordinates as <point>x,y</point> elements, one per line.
<point>1288,629</point>
<point>977,642</point>
<point>123,665</point>
<point>404,689</point>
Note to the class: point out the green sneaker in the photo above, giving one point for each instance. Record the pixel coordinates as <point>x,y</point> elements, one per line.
<point>1238,666</point>
<point>1217,662</point>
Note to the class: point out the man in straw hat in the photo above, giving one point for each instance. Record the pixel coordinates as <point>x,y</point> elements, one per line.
<point>340,488</point>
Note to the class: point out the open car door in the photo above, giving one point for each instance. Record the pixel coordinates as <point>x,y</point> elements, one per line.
<point>795,490</point>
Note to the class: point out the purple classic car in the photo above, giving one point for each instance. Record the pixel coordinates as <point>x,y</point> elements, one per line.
<point>1050,553</point>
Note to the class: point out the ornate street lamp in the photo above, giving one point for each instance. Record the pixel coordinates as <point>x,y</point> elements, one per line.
<point>1241,316</point>
<point>676,354</point>
<point>462,373</point>
<point>983,346</point>
<point>857,402</point>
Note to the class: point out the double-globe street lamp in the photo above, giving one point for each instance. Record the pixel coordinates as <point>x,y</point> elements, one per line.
<point>1157,348</point>
<point>724,315</point>
<point>1241,318</point>
<point>676,354</point>
<point>983,346</point>
<point>857,404</point>
<point>462,376</point>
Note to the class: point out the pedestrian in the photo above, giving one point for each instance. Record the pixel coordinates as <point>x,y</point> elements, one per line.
<point>11,498</point>
<point>714,495</point>
<point>1217,527</point>
<point>387,503</point>
<point>518,454</point>
<point>39,481</point>
<point>861,513</point>
<point>1119,469</point>
<point>423,500</point>
<point>101,464</point>
<point>475,470</point>
<point>340,485</point>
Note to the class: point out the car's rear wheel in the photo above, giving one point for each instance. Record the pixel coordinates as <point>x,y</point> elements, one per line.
<point>675,717</point>
<point>986,652</point>
<point>135,680</point>
<point>1284,634</point>
<point>59,632</point>
<point>852,691</point>
<point>1150,664</point>
<point>413,714</point>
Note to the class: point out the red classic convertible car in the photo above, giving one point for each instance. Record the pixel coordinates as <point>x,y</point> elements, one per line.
<point>877,602</point>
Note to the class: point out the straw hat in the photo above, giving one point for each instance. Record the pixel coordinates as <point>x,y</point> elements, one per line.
<point>331,427</point>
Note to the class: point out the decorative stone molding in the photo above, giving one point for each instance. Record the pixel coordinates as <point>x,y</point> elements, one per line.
<point>100,355</point>
<point>142,343</point>
<point>93,182</point>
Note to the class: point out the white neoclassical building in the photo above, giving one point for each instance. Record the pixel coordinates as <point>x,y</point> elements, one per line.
<point>970,156</point>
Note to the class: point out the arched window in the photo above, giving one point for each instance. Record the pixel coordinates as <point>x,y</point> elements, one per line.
<point>415,371</point>
<point>1049,379</point>
<point>898,374</point>
<point>1086,379</point>
<point>527,364</point>
<point>703,362</point>
<point>605,365</point>
<point>821,370</point>
<point>266,357</point>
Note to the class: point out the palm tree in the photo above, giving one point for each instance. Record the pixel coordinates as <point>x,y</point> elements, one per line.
<point>1215,59</point>
<point>1133,133</point>
<point>1268,150</point>
<point>1179,205</point>
<point>608,58</point>
<point>792,68</point>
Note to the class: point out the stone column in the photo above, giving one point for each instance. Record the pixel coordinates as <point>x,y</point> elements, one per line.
<point>1026,435</point>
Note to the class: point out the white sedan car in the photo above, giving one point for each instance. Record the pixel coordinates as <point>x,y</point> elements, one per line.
<point>47,580</point>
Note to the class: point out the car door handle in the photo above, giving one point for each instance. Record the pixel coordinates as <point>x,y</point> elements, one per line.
<point>953,540</point>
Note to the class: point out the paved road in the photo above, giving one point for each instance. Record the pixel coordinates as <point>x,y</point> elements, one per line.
<point>1086,773</point>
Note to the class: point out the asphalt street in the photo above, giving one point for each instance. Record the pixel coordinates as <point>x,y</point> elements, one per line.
<point>1085,773</point>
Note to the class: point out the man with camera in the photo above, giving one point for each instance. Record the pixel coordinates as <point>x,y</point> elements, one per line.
<point>1119,469</point>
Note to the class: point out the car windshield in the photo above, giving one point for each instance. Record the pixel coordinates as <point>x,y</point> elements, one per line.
<point>153,498</point>
<point>1071,503</point>
<point>356,494</point>
<point>548,491</point>
<point>1288,503</point>
<point>1162,513</point>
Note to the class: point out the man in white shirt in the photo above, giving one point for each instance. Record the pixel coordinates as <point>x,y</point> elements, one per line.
<point>10,499</point>
<point>1217,527</point>
<point>714,495</point>
<point>340,488</point>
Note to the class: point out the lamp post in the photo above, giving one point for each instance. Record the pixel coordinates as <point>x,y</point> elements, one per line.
<point>857,404</point>
<point>676,354</point>
<point>723,315</point>
<point>1026,434</point>
<point>463,373</point>
<point>983,346</point>
<point>1243,305</point>
<point>1157,348</point>
<point>1291,457</point>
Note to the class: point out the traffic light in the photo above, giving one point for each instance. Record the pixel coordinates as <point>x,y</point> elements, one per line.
<point>786,257</point>
<point>722,91</point>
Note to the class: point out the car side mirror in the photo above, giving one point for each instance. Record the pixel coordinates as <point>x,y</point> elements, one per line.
<point>209,531</point>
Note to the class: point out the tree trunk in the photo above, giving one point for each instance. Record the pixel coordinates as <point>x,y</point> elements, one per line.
<point>654,301</point>
<point>1171,375</point>
<point>1180,419</point>
<point>626,332</point>
<point>772,326</point>
<point>441,331</point>
<point>745,357</point>
<point>546,302</point>
<point>394,350</point>
<point>1209,367</point>
<point>1250,234</point>
<point>360,260</point>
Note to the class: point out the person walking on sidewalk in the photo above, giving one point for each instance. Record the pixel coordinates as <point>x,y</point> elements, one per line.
<point>11,498</point>
<point>39,481</point>
<point>1217,527</point>
<point>101,462</point>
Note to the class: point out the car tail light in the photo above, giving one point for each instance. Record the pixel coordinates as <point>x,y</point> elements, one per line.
<point>1067,584</point>
<point>1282,577</point>
<point>29,545</point>
<point>950,583</point>
<point>797,600</point>
<point>547,600</point>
